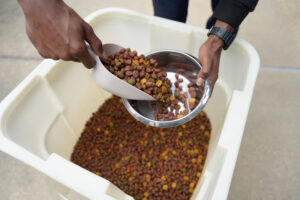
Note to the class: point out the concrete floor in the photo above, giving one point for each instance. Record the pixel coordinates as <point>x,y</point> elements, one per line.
<point>268,165</point>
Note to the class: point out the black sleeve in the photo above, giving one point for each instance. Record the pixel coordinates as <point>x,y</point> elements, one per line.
<point>234,12</point>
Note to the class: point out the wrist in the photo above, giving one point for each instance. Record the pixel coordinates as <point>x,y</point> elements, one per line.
<point>221,35</point>
<point>215,42</point>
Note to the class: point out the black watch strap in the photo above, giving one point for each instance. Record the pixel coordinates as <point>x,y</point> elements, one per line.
<point>222,33</point>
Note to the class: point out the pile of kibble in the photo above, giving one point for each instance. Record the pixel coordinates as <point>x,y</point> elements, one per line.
<point>146,75</point>
<point>145,162</point>
<point>139,72</point>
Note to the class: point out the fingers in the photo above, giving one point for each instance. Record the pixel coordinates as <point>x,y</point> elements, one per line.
<point>215,71</point>
<point>214,78</point>
<point>42,48</point>
<point>61,34</point>
<point>45,52</point>
<point>211,72</point>
<point>214,74</point>
<point>92,39</point>
<point>80,52</point>
<point>203,74</point>
<point>209,59</point>
<point>77,52</point>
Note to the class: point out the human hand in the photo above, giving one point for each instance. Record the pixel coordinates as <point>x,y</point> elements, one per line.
<point>209,56</point>
<point>58,32</point>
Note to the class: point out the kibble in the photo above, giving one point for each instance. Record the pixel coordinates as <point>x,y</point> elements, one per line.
<point>136,67</point>
<point>145,75</point>
<point>145,162</point>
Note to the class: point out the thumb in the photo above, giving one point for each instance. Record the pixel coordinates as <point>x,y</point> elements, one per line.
<point>93,40</point>
<point>203,75</point>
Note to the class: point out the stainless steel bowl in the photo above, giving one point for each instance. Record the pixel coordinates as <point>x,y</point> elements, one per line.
<point>187,67</point>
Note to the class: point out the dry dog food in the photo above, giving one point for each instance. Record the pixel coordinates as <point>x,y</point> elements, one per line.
<point>169,109</point>
<point>139,72</point>
<point>145,75</point>
<point>145,162</point>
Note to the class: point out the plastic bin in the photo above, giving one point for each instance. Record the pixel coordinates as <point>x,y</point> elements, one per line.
<point>42,118</point>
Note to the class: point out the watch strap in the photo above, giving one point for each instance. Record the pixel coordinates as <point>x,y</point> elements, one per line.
<point>223,34</point>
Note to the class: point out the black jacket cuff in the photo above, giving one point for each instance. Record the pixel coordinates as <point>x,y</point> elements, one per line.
<point>231,12</point>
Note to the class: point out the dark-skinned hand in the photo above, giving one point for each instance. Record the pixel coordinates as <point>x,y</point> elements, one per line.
<point>209,56</point>
<point>58,32</point>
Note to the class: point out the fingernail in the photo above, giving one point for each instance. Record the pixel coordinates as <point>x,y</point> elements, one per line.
<point>200,81</point>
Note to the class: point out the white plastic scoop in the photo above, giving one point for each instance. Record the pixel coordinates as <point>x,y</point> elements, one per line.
<point>109,82</point>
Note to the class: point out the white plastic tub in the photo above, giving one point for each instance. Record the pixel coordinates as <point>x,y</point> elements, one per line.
<point>43,117</point>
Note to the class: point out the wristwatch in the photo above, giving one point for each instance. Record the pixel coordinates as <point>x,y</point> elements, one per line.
<point>223,34</point>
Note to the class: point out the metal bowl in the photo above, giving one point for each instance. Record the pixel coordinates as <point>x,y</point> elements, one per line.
<point>187,67</point>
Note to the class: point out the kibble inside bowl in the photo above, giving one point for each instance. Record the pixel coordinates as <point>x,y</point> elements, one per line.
<point>189,101</point>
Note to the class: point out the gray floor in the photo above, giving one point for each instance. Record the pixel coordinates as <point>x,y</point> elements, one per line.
<point>268,165</point>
